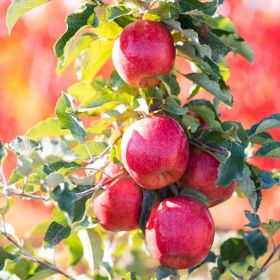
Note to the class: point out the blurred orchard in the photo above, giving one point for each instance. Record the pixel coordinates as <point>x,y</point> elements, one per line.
<point>29,86</point>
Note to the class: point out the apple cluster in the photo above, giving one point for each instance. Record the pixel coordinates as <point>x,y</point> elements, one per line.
<point>155,154</point>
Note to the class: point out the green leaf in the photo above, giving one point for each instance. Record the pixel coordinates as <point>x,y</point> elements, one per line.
<point>218,48</point>
<point>23,146</point>
<point>149,199</point>
<point>92,245</point>
<point>191,123</point>
<point>95,148</point>
<point>218,88</point>
<point>65,198</point>
<point>54,151</point>
<point>170,82</point>
<point>75,247</point>
<point>42,274</point>
<point>4,255</point>
<point>165,11</point>
<point>18,9</point>
<point>270,122</point>
<point>131,276</point>
<point>69,201</point>
<point>172,106</point>
<point>211,258</point>
<point>75,21</point>
<point>139,104</point>
<point>254,219</point>
<point>53,180</point>
<point>107,30</point>
<point>55,234</point>
<point>2,152</point>
<point>257,243</point>
<point>261,138</point>
<point>215,273</point>
<point>247,185</point>
<point>93,58</point>
<point>103,97</point>
<point>265,179</point>
<point>225,30</point>
<point>234,250</point>
<point>72,49</point>
<point>271,150</point>
<point>272,227</point>
<point>164,272</point>
<point>237,44</point>
<point>232,166</point>
<point>5,206</point>
<point>69,120</point>
<point>57,230</point>
<point>82,90</point>
<point>48,169</point>
<point>196,7</point>
<point>22,268</point>
<point>205,110</point>
<point>79,207</point>
<point>189,192</point>
<point>98,126</point>
<point>113,12</point>
<point>46,128</point>
<point>235,131</point>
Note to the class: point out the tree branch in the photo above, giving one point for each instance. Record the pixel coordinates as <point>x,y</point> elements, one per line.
<point>266,264</point>
<point>32,258</point>
<point>13,192</point>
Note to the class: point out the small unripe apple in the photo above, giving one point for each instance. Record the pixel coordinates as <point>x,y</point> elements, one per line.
<point>118,208</point>
<point>143,51</point>
<point>201,175</point>
<point>180,232</point>
<point>155,151</point>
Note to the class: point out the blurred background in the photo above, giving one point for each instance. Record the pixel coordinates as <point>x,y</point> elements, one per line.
<point>29,86</point>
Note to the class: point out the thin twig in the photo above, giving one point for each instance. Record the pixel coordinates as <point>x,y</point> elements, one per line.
<point>13,192</point>
<point>266,264</point>
<point>32,258</point>
<point>107,184</point>
<point>88,151</point>
<point>93,159</point>
<point>201,145</point>
<point>3,176</point>
<point>104,152</point>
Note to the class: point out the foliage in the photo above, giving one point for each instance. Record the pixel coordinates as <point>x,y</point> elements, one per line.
<point>51,154</point>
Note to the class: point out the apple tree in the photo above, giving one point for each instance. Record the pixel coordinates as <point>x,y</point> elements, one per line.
<point>129,166</point>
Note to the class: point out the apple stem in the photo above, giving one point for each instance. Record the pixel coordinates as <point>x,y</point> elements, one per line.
<point>210,149</point>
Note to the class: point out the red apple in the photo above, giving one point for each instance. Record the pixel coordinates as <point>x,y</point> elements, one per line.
<point>180,232</point>
<point>144,50</point>
<point>155,151</point>
<point>118,208</point>
<point>201,175</point>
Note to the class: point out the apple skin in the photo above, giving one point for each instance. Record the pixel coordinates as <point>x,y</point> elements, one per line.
<point>144,50</point>
<point>180,232</point>
<point>118,208</point>
<point>155,151</point>
<point>201,175</point>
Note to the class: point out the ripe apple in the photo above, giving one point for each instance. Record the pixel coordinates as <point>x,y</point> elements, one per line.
<point>155,151</point>
<point>180,232</point>
<point>201,174</point>
<point>143,51</point>
<point>118,208</point>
